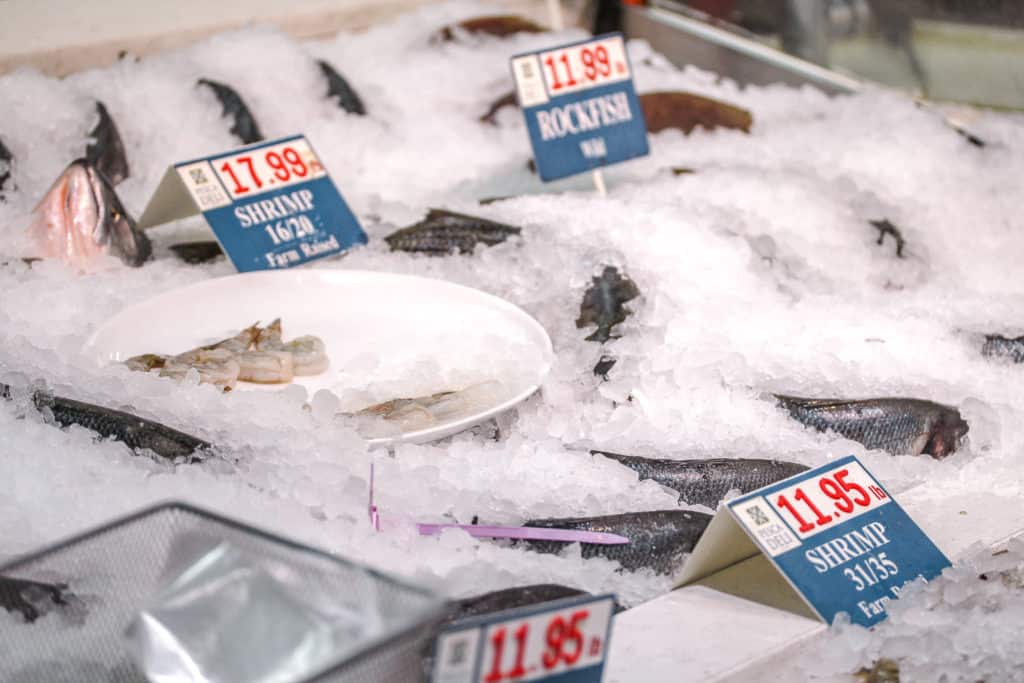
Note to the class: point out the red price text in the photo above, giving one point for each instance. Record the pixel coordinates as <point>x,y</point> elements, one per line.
<point>545,644</point>
<point>814,504</point>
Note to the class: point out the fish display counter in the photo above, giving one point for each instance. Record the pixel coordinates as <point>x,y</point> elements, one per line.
<point>546,390</point>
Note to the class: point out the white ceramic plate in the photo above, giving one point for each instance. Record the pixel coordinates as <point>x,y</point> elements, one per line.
<point>387,336</point>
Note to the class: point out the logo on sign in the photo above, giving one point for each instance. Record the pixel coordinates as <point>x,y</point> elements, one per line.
<point>758,517</point>
<point>580,106</point>
<point>271,205</point>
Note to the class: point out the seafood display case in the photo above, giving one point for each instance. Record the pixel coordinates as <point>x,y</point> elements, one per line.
<point>97,592</point>
<point>555,388</point>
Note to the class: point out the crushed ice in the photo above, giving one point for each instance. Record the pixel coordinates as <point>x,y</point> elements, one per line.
<point>759,273</point>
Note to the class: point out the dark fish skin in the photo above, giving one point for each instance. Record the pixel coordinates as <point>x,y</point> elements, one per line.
<point>884,228</point>
<point>6,166</point>
<point>136,432</point>
<point>106,151</point>
<point>899,426</point>
<point>197,252</point>
<point>340,90</point>
<point>603,303</point>
<point>705,482</point>
<point>970,137</point>
<point>510,598</point>
<point>499,25</point>
<point>687,111</point>
<point>604,365</point>
<point>30,598</point>
<point>133,245</point>
<point>662,110</point>
<point>442,232</point>
<point>658,540</point>
<point>998,346</point>
<point>244,125</point>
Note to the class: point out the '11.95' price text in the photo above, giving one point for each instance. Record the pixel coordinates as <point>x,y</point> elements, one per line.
<point>832,497</point>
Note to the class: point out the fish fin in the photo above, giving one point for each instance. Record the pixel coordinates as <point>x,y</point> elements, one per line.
<point>812,402</point>
<point>106,152</point>
<point>340,90</point>
<point>884,228</point>
<point>244,125</point>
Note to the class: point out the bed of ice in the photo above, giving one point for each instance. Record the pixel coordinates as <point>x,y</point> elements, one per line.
<point>759,273</point>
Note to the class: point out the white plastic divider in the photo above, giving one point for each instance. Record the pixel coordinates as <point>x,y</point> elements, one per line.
<point>696,633</point>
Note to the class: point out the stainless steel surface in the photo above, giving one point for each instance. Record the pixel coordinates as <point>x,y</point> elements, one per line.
<point>684,40</point>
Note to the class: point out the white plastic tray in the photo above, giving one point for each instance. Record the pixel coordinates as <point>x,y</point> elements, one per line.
<point>381,330</point>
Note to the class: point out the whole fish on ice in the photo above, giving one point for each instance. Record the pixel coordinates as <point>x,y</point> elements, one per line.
<point>603,303</point>
<point>81,218</point>
<point>705,482</point>
<point>137,433</point>
<point>441,232</point>
<point>658,540</point>
<point>243,123</point>
<point>899,426</point>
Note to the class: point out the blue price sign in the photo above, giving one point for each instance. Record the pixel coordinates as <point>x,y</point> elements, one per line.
<point>580,106</point>
<point>563,641</point>
<point>271,205</point>
<point>840,539</point>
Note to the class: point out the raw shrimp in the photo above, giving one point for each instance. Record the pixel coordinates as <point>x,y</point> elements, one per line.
<point>265,367</point>
<point>309,353</point>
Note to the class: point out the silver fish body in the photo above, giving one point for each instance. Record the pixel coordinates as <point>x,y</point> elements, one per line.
<point>81,217</point>
<point>658,540</point>
<point>899,426</point>
<point>136,432</point>
<point>705,482</point>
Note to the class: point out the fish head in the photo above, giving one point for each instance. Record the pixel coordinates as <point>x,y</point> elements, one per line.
<point>81,218</point>
<point>949,429</point>
<point>125,239</point>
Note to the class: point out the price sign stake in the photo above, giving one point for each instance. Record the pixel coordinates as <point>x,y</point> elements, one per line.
<point>270,205</point>
<point>581,109</point>
<point>564,641</point>
<point>822,542</point>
